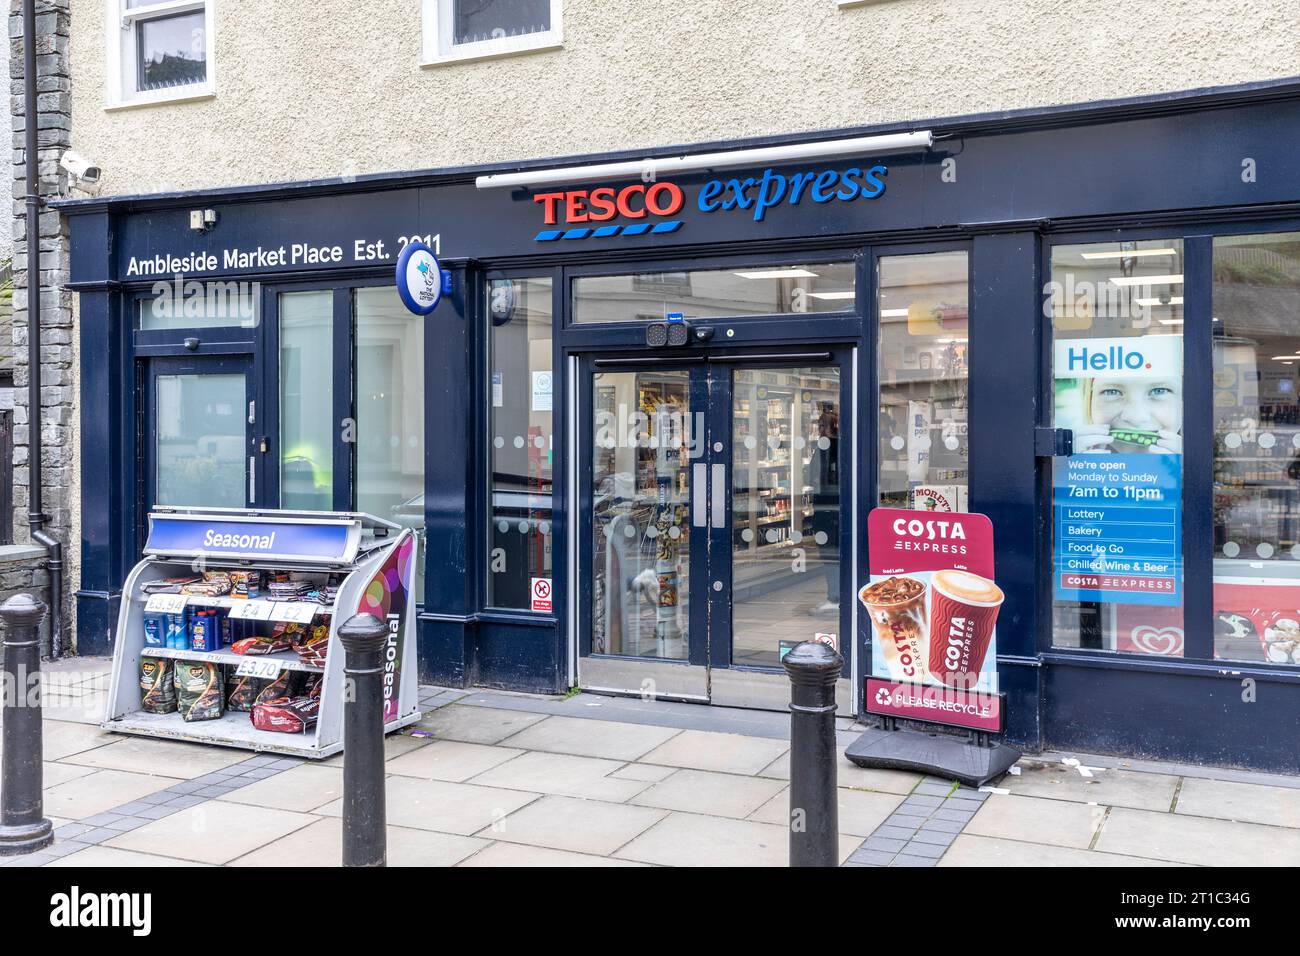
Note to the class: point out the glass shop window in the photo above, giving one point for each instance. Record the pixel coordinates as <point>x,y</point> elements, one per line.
<point>1116,314</point>
<point>521,451</point>
<point>715,293</point>
<point>175,304</point>
<point>306,401</point>
<point>388,365</point>
<point>923,305</point>
<point>1256,446</point>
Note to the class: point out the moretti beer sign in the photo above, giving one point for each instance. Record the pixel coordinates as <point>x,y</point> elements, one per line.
<point>934,605</point>
<point>654,208</point>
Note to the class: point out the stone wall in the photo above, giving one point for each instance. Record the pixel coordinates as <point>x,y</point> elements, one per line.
<point>58,372</point>
<point>22,572</point>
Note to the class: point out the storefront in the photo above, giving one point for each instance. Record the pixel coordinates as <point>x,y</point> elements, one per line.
<point>1031,315</point>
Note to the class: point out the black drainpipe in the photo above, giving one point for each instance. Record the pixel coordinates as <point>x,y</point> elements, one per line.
<point>36,518</point>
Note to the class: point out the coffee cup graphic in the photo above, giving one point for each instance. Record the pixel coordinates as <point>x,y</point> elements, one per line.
<point>896,606</point>
<point>963,613</point>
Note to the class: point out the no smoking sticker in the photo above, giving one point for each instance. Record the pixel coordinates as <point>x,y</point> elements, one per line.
<point>541,594</point>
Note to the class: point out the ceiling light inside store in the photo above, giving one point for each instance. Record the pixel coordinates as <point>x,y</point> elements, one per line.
<point>837,296</point>
<point>1132,253</point>
<point>1171,321</point>
<point>1151,303</point>
<point>778,274</point>
<point>1147,280</point>
<point>1285,358</point>
<point>893,313</point>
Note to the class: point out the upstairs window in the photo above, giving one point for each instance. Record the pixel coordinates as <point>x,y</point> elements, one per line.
<point>477,29</point>
<point>159,50</point>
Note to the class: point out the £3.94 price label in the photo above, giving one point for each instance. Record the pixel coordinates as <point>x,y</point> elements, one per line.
<point>166,603</point>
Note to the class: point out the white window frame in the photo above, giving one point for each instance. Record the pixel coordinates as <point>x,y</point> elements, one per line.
<point>439,46</point>
<point>120,26</point>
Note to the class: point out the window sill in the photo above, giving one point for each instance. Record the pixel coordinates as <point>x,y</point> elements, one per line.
<point>472,56</point>
<point>188,96</point>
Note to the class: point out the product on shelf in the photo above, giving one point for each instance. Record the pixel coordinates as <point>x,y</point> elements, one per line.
<point>168,585</point>
<point>155,631</point>
<point>176,632</point>
<point>288,684</point>
<point>288,715</point>
<point>312,647</point>
<point>246,584</point>
<point>198,690</point>
<point>157,691</point>
<point>205,629</point>
<point>278,640</point>
<point>241,692</point>
<point>313,685</point>
<point>213,584</point>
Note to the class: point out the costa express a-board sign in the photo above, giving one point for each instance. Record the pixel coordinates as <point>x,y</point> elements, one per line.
<point>933,604</point>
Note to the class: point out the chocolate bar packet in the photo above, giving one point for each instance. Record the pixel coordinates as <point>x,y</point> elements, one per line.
<point>157,691</point>
<point>198,690</point>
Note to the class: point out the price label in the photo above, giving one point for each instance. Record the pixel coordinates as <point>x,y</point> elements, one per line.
<point>299,612</point>
<point>255,667</point>
<point>252,610</point>
<point>166,603</point>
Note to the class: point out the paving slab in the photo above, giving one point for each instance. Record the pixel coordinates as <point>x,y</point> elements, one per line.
<point>861,812</point>
<point>62,738</point>
<point>98,856</point>
<point>213,831</point>
<point>725,753</point>
<point>394,746</point>
<point>1251,803</point>
<point>715,794</point>
<point>691,839</point>
<point>519,854</point>
<point>849,774</point>
<point>321,844</point>
<point>54,773</point>
<point>451,760</point>
<point>302,789</point>
<point>563,775</point>
<point>971,850</point>
<point>646,772</point>
<point>1037,820</point>
<point>1203,841</point>
<point>609,739</point>
<point>477,725</point>
<point>169,757</point>
<point>459,808</point>
<point>100,790</point>
<point>1110,788</point>
<point>582,826</point>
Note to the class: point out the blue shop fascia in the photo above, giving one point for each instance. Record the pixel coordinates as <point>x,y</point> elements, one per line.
<point>798,330</point>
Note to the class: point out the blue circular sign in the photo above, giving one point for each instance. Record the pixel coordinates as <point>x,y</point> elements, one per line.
<point>419,278</point>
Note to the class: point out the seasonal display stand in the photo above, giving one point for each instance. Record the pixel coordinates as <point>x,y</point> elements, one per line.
<point>269,577</point>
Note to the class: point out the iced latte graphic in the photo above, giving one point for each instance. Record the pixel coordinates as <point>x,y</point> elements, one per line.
<point>897,609</point>
<point>963,611</point>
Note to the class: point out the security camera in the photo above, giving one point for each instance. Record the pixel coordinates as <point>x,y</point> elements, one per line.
<point>80,168</point>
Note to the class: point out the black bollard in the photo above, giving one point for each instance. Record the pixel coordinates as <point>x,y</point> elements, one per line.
<point>23,826</point>
<point>365,840</point>
<point>814,803</point>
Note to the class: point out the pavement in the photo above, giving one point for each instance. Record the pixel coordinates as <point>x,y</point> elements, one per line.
<point>490,778</point>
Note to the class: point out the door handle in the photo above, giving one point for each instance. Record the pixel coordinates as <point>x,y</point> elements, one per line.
<point>252,479</point>
<point>699,489</point>
<point>718,499</point>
